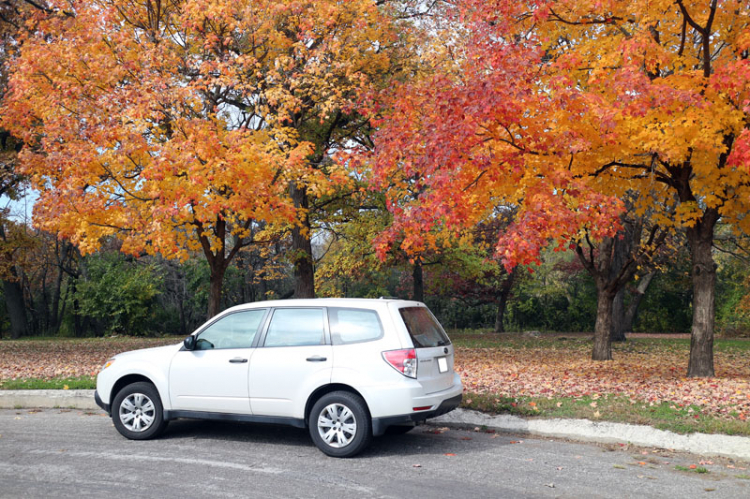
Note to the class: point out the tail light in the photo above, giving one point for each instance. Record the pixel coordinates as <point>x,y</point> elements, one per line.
<point>403,361</point>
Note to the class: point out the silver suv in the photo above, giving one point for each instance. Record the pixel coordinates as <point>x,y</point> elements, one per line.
<point>347,369</point>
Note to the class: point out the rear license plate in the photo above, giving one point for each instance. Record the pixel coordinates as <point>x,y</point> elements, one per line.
<point>442,364</point>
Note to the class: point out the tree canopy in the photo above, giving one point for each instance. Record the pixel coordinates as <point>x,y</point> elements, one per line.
<point>562,107</point>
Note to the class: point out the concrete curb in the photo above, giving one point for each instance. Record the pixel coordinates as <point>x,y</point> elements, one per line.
<point>574,429</point>
<point>47,399</point>
<point>589,431</point>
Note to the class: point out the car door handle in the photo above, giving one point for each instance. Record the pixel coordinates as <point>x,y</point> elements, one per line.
<point>316,358</point>
<point>237,360</point>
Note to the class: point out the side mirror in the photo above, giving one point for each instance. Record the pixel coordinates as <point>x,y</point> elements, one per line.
<point>189,343</point>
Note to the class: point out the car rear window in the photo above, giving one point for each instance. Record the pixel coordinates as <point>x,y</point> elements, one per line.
<point>351,325</point>
<point>424,329</point>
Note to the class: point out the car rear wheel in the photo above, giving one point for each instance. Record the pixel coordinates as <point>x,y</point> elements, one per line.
<point>340,425</point>
<point>137,412</point>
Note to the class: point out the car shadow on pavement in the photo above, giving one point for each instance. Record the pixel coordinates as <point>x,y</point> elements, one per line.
<point>421,440</point>
<point>235,431</point>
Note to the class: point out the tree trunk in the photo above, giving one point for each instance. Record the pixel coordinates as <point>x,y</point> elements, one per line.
<point>55,312</point>
<point>218,261</point>
<point>216,281</point>
<point>183,319</point>
<point>618,317</point>
<point>46,321</point>
<point>500,315</point>
<point>77,323</point>
<point>16,308</point>
<point>304,271</point>
<point>502,303</point>
<point>13,294</point>
<point>632,311</point>
<point>622,247</point>
<point>603,330</point>
<point>700,237</point>
<point>64,301</point>
<point>418,281</point>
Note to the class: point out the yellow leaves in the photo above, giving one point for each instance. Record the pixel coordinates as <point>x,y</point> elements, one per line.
<point>686,215</point>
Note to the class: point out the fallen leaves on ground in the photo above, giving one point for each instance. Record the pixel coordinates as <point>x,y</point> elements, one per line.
<point>645,373</point>
<point>47,359</point>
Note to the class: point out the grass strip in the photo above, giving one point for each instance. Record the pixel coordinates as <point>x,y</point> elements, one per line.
<point>663,416</point>
<point>79,383</point>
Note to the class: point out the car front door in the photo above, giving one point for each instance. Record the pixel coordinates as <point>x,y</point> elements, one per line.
<point>214,376</point>
<point>295,358</point>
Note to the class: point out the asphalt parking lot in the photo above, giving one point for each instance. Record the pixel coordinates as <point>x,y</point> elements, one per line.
<point>74,453</point>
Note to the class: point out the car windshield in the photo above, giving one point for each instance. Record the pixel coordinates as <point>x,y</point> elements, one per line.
<point>424,329</point>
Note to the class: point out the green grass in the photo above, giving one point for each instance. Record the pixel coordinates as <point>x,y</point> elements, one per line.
<point>82,383</point>
<point>581,344</point>
<point>479,338</point>
<point>664,416</point>
<point>160,340</point>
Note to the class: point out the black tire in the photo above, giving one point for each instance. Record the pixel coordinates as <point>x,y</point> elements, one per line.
<point>344,419</point>
<point>137,412</point>
<point>399,429</point>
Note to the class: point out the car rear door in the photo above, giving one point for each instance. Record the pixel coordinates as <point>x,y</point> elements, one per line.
<point>294,358</point>
<point>433,348</point>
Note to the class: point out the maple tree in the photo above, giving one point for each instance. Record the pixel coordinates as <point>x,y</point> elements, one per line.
<point>182,126</point>
<point>613,262</point>
<point>562,107</point>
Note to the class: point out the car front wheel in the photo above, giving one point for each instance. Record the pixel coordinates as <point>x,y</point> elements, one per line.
<point>137,412</point>
<point>340,425</point>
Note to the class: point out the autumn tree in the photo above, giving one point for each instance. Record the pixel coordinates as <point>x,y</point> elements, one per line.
<point>183,126</point>
<point>613,262</point>
<point>375,47</point>
<point>565,106</point>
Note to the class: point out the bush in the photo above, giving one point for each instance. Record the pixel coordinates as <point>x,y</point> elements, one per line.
<point>120,295</point>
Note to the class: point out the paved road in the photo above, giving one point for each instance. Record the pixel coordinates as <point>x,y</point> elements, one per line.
<point>54,453</point>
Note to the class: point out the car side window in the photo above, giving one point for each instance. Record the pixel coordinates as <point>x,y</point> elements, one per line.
<point>296,327</point>
<point>351,325</point>
<point>236,330</point>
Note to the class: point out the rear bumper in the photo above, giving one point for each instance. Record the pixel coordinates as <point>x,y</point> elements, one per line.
<point>100,403</point>
<point>380,424</point>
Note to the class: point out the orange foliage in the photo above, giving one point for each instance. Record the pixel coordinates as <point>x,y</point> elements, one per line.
<point>167,123</point>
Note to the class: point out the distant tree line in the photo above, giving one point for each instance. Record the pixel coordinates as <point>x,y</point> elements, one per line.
<point>110,293</point>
